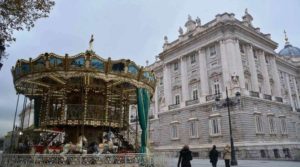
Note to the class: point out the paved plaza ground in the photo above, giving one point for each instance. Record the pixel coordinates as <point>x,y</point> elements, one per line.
<point>241,163</point>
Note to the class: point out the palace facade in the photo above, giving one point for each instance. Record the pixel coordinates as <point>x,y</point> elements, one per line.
<point>195,70</point>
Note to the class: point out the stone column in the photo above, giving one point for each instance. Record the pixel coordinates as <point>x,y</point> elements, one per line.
<point>297,93</point>
<point>203,75</point>
<point>239,70</point>
<point>167,85</point>
<point>275,73</point>
<point>184,81</point>
<point>225,67</point>
<point>287,80</point>
<point>265,73</point>
<point>253,70</point>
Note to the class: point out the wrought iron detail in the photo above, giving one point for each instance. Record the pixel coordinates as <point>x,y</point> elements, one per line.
<point>28,160</point>
<point>267,97</point>
<point>191,102</point>
<point>174,106</point>
<point>254,94</point>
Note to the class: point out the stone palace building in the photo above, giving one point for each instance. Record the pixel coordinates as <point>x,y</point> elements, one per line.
<point>195,70</point>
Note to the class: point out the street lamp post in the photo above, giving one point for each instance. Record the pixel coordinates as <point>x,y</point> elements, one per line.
<point>228,103</point>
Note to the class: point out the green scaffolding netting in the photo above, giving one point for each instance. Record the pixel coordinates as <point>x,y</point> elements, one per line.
<point>143,102</point>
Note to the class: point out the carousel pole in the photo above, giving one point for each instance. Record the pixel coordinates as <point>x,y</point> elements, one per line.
<point>30,106</point>
<point>23,112</point>
<point>86,89</point>
<point>136,131</point>
<point>13,131</point>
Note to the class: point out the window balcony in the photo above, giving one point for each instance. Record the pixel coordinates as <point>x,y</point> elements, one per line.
<point>254,94</point>
<point>191,102</point>
<point>174,106</point>
<point>279,99</point>
<point>213,97</point>
<point>267,97</point>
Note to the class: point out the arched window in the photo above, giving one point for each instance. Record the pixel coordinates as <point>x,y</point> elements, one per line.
<point>216,87</point>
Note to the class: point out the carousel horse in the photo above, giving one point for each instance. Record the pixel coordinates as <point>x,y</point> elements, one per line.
<point>75,148</point>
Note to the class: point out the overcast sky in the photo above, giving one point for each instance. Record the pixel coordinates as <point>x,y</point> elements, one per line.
<point>131,29</point>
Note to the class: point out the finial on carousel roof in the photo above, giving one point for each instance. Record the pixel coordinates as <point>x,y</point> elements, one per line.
<point>91,42</point>
<point>246,11</point>
<point>180,30</point>
<point>198,21</point>
<point>286,38</point>
<point>147,62</point>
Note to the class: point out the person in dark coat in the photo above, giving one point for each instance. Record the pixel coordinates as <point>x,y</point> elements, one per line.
<point>185,157</point>
<point>213,156</point>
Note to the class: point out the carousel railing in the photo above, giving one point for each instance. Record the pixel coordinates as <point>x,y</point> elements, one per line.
<point>74,160</point>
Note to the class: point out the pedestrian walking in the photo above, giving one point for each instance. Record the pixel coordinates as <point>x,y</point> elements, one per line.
<point>185,157</point>
<point>213,156</point>
<point>227,155</point>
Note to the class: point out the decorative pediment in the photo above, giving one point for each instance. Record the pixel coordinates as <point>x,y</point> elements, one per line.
<point>193,81</point>
<point>215,74</point>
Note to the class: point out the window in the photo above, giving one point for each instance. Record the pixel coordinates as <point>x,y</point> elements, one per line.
<point>212,51</point>
<point>259,124</point>
<point>263,153</point>
<point>276,153</point>
<point>193,58</point>
<point>195,94</point>
<point>161,80</point>
<point>254,55</point>
<point>283,126</point>
<point>286,153</point>
<point>267,61</point>
<point>174,131</point>
<point>216,87</point>
<point>246,85</point>
<point>177,99</point>
<point>175,66</point>
<point>193,129</point>
<point>272,125</point>
<point>242,49</point>
<point>215,126</point>
<point>260,90</point>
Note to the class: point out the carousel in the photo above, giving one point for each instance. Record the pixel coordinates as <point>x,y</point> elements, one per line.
<point>83,101</point>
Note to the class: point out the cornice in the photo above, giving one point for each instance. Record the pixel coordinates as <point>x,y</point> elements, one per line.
<point>219,26</point>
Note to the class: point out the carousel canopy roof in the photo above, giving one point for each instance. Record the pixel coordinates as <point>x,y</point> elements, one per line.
<point>51,71</point>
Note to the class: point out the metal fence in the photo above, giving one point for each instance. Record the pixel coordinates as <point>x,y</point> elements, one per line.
<point>76,160</point>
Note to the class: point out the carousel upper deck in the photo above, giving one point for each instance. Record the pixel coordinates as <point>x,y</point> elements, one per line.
<point>84,89</point>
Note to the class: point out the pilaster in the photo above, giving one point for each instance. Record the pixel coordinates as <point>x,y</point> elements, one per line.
<point>297,93</point>
<point>275,74</point>
<point>265,73</point>
<point>239,70</point>
<point>225,69</point>
<point>184,81</point>
<point>287,80</point>
<point>203,75</point>
<point>156,102</point>
<point>253,70</point>
<point>167,85</point>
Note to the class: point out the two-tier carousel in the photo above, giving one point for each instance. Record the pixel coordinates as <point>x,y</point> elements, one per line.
<point>84,94</point>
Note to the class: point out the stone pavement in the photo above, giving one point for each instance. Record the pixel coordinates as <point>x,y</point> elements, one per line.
<point>241,163</point>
